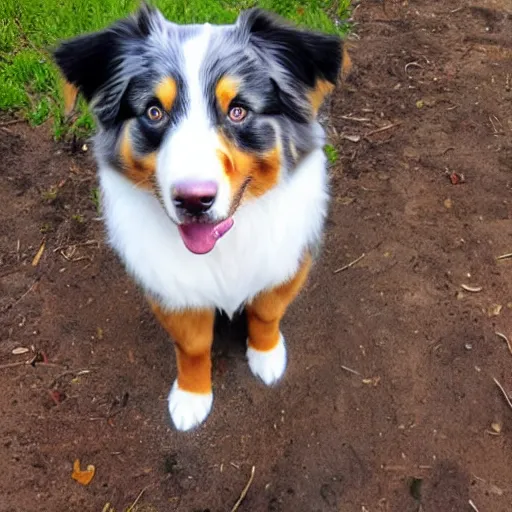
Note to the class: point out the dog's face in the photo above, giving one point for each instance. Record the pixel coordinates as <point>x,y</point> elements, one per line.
<point>206,117</point>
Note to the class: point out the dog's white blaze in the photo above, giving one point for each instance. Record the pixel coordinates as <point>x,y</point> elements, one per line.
<point>263,249</point>
<point>190,151</point>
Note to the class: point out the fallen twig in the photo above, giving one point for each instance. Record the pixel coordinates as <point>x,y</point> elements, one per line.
<point>29,363</point>
<point>12,121</point>
<point>347,369</point>
<point>473,506</point>
<point>505,339</point>
<point>472,289</point>
<point>356,119</point>
<point>502,389</point>
<point>381,129</point>
<point>132,506</point>
<point>413,64</point>
<point>68,372</point>
<point>244,491</point>
<point>13,365</point>
<point>12,304</point>
<point>81,244</point>
<point>349,265</point>
<point>505,256</point>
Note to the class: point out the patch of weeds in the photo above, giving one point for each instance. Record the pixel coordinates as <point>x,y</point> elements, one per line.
<point>78,218</point>
<point>40,113</point>
<point>95,198</point>
<point>46,228</point>
<point>50,195</point>
<point>83,126</point>
<point>332,154</point>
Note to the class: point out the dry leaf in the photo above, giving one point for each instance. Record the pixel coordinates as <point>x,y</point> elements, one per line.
<point>494,310</point>
<point>352,138</point>
<point>448,203</point>
<point>37,257</point>
<point>345,200</point>
<point>82,477</point>
<point>374,381</point>
<point>20,350</point>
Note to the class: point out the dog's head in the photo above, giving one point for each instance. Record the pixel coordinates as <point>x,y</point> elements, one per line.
<point>206,117</point>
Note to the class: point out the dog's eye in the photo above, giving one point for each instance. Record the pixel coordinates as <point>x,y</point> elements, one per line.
<point>154,113</point>
<point>237,114</point>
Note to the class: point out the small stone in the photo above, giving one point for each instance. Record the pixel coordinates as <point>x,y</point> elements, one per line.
<point>448,203</point>
<point>345,200</point>
<point>412,154</point>
<point>496,426</point>
<point>468,346</point>
<point>494,310</point>
<point>20,350</point>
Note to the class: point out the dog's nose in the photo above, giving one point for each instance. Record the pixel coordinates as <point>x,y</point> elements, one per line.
<point>194,197</point>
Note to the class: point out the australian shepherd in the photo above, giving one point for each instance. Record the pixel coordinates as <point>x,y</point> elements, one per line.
<point>212,173</point>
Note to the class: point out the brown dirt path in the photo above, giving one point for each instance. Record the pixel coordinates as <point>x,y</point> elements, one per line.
<point>423,399</point>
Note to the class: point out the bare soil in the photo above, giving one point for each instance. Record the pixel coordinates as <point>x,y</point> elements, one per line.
<point>389,403</point>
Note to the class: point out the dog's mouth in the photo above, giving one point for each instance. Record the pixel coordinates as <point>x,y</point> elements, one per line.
<point>200,238</point>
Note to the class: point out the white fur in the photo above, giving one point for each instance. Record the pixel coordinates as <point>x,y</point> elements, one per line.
<point>190,151</point>
<point>263,249</point>
<point>187,409</point>
<point>268,365</point>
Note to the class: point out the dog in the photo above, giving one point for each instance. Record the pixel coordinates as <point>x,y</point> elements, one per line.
<point>213,178</point>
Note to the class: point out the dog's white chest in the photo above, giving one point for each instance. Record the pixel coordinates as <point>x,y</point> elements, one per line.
<point>263,248</point>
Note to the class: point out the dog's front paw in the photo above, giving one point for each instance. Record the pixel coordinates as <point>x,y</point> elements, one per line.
<point>188,410</point>
<point>268,365</point>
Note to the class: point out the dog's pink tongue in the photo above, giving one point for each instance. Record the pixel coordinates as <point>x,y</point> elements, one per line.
<point>201,238</point>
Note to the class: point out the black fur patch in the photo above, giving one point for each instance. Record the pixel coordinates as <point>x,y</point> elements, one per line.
<point>90,62</point>
<point>309,56</point>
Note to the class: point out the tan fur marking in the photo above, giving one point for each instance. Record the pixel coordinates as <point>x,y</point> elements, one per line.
<point>192,332</point>
<point>166,92</point>
<point>262,171</point>
<point>346,64</point>
<point>318,94</point>
<point>323,87</point>
<point>70,94</point>
<point>265,312</point>
<point>226,90</point>
<point>140,170</point>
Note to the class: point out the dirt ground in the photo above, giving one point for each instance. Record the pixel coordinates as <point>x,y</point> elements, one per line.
<point>389,403</point>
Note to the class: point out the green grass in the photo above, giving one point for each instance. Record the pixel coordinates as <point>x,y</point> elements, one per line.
<point>332,154</point>
<point>29,29</point>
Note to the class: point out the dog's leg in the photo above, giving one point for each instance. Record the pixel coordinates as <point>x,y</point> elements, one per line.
<point>266,351</point>
<point>190,399</point>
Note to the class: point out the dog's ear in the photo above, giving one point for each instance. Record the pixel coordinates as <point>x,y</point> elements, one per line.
<point>313,59</point>
<point>93,63</point>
